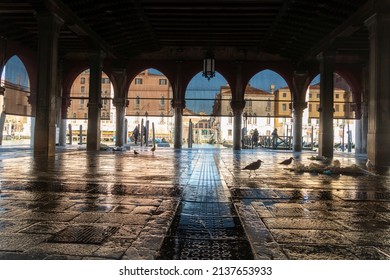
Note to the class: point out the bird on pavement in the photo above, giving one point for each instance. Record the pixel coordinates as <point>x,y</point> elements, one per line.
<point>253,166</point>
<point>135,152</point>
<point>153,149</point>
<point>369,165</point>
<point>287,161</point>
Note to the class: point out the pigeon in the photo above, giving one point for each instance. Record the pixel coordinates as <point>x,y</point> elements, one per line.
<point>287,161</point>
<point>369,165</point>
<point>253,166</point>
<point>135,152</point>
<point>336,163</point>
<point>153,149</point>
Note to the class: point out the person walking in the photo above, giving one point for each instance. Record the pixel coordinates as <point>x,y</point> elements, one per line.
<point>136,134</point>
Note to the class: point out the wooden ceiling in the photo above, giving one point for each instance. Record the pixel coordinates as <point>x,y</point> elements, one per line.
<point>290,29</point>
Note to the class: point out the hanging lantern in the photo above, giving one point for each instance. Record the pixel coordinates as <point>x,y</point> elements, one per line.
<point>209,66</point>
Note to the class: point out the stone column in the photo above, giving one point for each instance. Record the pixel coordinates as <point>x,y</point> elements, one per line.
<point>301,82</point>
<point>120,106</point>
<point>298,107</point>
<point>379,93</point>
<point>238,107</point>
<point>326,105</point>
<point>65,104</point>
<point>364,127</point>
<point>178,104</point>
<point>120,103</point>
<point>45,134</point>
<point>94,102</point>
<point>178,107</point>
<point>2,89</point>
<point>238,104</point>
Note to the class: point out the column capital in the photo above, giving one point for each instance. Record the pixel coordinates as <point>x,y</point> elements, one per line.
<point>178,103</point>
<point>299,106</point>
<point>120,102</point>
<point>237,106</point>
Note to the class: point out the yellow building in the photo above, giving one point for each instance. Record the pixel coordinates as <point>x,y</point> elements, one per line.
<point>79,97</point>
<point>150,95</point>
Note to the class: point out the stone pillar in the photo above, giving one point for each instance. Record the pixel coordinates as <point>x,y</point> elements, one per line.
<point>326,105</point>
<point>298,107</point>
<point>379,93</point>
<point>94,102</point>
<point>301,82</point>
<point>238,107</point>
<point>2,89</point>
<point>120,106</point>
<point>178,107</point>
<point>364,127</point>
<point>120,102</point>
<point>238,104</point>
<point>178,104</point>
<point>65,104</point>
<point>45,134</point>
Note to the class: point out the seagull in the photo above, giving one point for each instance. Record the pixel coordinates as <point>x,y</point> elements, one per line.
<point>154,148</point>
<point>135,152</point>
<point>253,166</point>
<point>369,165</point>
<point>287,161</point>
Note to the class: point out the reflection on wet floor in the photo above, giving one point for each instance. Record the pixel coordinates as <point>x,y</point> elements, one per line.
<point>188,204</point>
<point>206,225</point>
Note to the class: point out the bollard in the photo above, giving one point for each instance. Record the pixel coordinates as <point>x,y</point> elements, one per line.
<point>142,132</point>
<point>153,135</point>
<point>70,134</point>
<point>147,133</point>
<point>81,135</point>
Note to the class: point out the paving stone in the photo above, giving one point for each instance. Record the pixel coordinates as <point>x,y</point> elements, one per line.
<point>282,214</point>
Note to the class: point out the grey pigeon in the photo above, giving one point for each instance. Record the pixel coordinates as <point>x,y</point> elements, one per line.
<point>253,166</point>
<point>287,161</point>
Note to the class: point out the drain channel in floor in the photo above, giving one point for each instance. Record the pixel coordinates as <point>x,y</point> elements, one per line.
<point>206,230</point>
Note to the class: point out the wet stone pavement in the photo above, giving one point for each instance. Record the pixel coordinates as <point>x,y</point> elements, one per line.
<point>188,204</point>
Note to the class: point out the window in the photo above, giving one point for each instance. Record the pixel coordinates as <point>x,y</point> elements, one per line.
<point>337,107</point>
<point>318,95</point>
<point>249,103</point>
<point>310,95</point>
<point>268,119</point>
<point>162,102</point>
<point>284,94</point>
<point>74,115</point>
<point>138,81</point>
<point>81,101</point>
<point>317,107</point>
<point>105,80</point>
<point>162,82</point>
<point>82,80</point>
<point>284,107</point>
<point>337,96</point>
<point>310,108</point>
<point>85,115</point>
<point>82,89</point>
<point>137,102</point>
<point>230,119</point>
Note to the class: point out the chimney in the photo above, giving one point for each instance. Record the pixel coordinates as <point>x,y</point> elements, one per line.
<point>272,88</point>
